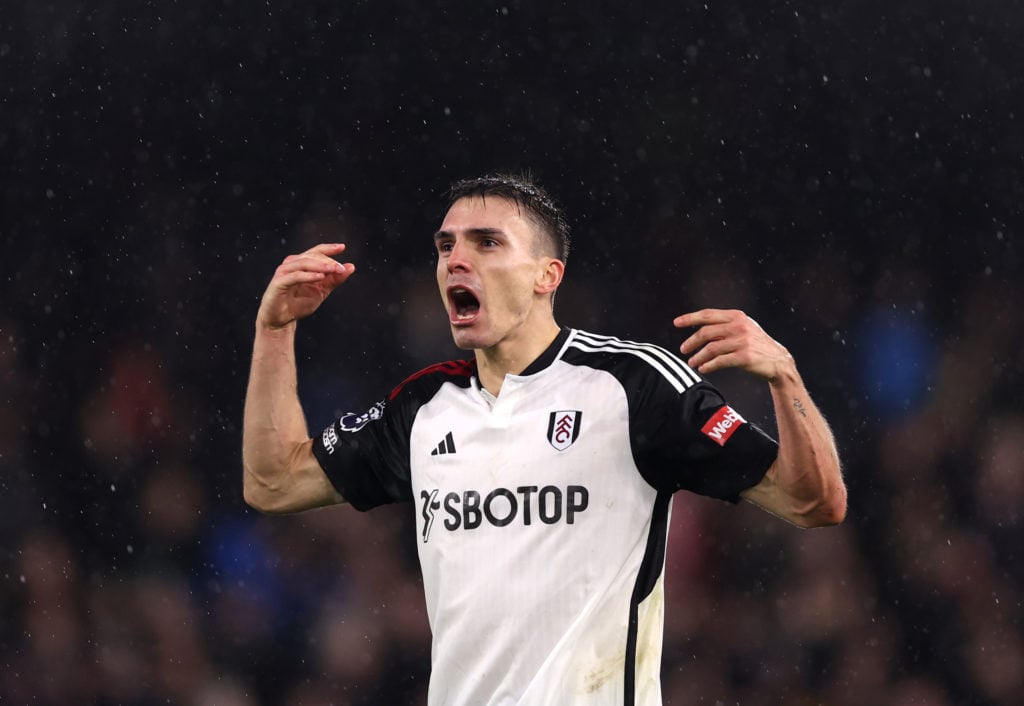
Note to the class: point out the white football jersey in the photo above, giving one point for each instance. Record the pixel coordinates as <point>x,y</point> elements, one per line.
<point>542,513</point>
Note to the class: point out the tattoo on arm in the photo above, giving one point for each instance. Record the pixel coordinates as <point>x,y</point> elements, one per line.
<point>799,407</point>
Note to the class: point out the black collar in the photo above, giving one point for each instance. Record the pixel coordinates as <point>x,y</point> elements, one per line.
<point>548,356</point>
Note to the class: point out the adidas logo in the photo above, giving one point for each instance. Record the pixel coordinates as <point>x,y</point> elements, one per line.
<point>446,446</point>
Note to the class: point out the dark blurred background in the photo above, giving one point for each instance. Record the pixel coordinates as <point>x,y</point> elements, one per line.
<point>848,173</point>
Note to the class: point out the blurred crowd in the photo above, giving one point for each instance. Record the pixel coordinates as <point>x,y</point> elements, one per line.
<point>848,174</point>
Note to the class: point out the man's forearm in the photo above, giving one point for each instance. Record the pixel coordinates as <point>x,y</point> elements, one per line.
<point>807,470</point>
<point>274,425</point>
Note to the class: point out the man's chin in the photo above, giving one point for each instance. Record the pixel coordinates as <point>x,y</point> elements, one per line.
<point>467,339</point>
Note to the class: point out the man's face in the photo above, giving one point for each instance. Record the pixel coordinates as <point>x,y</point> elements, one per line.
<point>488,270</point>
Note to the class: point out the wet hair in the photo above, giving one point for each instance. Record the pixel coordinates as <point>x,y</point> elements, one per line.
<point>522,190</point>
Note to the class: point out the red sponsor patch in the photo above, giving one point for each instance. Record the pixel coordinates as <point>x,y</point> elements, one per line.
<point>723,424</point>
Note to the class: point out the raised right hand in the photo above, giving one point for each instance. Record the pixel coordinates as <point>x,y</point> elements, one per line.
<point>301,283</point>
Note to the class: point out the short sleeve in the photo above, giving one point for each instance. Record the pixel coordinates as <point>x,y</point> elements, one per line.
<point>366,456</point>
<point>693,440</point>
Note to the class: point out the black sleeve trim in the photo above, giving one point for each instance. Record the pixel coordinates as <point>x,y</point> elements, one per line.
<point>673,453</point>
<point>369,466</point>
<point>366,456</point>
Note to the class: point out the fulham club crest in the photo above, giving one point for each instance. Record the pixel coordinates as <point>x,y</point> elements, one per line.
<point>564,428</point>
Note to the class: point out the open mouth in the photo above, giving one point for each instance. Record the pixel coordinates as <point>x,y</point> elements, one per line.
<point>464,304</point>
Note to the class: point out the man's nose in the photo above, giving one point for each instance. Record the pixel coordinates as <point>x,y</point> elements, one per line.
<point>457,257</point>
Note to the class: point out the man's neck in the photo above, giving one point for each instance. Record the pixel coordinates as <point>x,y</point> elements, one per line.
<point>512,357</point>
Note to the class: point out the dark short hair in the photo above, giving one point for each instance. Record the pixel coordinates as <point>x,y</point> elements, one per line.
<point>526,193</point>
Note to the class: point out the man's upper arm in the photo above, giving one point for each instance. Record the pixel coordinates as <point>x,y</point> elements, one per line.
<point>694,441</point>
<point>767,495</point>
<point>770,495</point>
<point>303,486</point>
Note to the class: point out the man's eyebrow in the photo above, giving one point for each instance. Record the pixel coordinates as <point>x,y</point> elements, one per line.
<point>445,234</point>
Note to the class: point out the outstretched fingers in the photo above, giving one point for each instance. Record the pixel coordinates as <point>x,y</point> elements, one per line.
<point>711,355</point>
<point>301,283</point>
<point>330,275</point>
<point>316,259</point>
<point>712,325</point>
<point>728,338</point>
<point>705,317</point>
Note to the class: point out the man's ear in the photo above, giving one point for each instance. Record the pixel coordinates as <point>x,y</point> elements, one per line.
<point>550,277</point>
